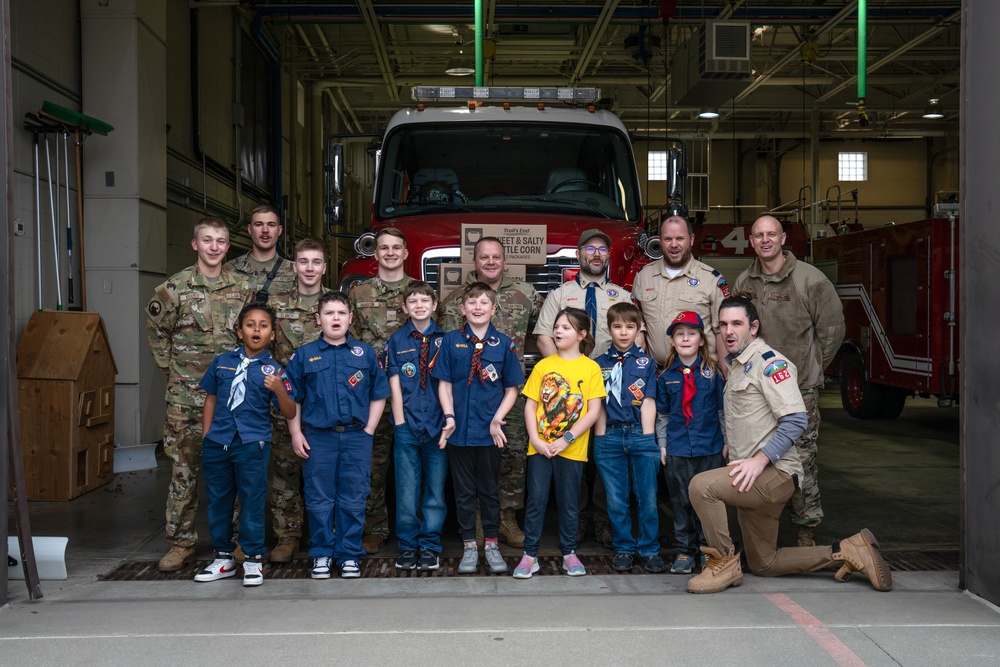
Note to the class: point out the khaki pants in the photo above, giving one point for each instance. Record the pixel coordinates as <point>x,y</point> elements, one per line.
<point>758,511</point>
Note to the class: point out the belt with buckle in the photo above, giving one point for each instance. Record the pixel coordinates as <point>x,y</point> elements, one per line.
<point>345,429</point>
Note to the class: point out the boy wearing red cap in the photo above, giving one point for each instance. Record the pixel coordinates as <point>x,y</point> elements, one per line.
<point>689,398</point>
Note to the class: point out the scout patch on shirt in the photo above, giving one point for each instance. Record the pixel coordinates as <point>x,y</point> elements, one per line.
<point>285,381</point>
<point>605,374</point>
<point>493,341</point>
<point>747,367</point>
<point>706,373</point>
<point>356,378</point>
<point>778,371</point>
<point>155,307</point>
<point>612,293</point>
<point>693,282</point>
<point>642,362</point>
<point>723,286</point>
<point>437,342</point>
<point>267,369</point>
<point>408,369</point>
<point>636,389</point>
<point>357,351</point>
<point>315,358</point>
<point>491,373</point>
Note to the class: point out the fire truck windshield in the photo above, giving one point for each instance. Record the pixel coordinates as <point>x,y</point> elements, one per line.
<point>558,168</point>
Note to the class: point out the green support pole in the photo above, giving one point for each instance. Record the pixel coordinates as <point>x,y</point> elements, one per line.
<point>479,42</point>
<point>863,120</point>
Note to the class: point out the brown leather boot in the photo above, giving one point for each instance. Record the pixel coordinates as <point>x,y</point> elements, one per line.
<point>807,536</point>
<point>176,558</point>
<point>719,573</point>
<point>509,530</point>
<point>372,543</point>
<point>285,550</point>
<point>859,553</point>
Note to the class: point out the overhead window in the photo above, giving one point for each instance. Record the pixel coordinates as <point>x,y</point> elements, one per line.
<point>657,166</point>
<point>852,166</point>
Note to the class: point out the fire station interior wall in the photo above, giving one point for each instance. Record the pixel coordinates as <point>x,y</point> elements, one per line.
<point>980,256</point>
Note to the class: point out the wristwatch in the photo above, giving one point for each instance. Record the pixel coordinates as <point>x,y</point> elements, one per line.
<point>569,437</point>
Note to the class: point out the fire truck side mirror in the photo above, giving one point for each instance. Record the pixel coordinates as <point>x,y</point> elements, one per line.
<point>334,185</point>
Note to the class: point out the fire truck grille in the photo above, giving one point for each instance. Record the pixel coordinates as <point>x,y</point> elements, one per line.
<point>543,278</point>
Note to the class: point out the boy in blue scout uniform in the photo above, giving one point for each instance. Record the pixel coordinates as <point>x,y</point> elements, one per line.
<point>237,443</point>
<point>421,461</point>
<point>479,374</point>
<point>625,439</point>
<point>340,389</point>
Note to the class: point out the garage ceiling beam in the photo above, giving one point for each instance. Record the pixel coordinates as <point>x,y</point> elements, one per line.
<point>367,10</point>
<point>596,34</point>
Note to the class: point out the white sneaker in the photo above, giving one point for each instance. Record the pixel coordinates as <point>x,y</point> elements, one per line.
<point>351,569</point>
<point>253,572</point>
<point>222,567</point>
<point>321,568</point>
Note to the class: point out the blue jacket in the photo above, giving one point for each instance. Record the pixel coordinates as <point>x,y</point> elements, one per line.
<point>704,435</point>
<point>638,382</point>
<point>252,418</point>
<point>421,406</point>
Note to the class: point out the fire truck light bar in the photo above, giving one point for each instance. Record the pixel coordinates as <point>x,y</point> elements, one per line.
<point>437,93</point>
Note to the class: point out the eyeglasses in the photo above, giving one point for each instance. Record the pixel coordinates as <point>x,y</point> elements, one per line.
<point>591,249</point>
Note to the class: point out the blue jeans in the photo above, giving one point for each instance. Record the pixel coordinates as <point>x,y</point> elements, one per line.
<point>622,448</point>
<point>337,479</point>
<point>566,475</point>
<point>420,465</point>
<point>233,471</point>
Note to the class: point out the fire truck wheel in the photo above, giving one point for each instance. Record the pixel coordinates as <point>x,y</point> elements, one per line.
<point>862,399</point>
<point>893,400</point>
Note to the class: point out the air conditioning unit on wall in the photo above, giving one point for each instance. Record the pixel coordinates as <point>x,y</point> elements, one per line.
<point>712,66</point>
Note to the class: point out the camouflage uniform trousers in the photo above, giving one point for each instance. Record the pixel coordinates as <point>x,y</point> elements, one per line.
<point>182,444</point>
<point>376,512</point>
<point>514,458</point>
<point>285,482</point>
<point>805,504</point>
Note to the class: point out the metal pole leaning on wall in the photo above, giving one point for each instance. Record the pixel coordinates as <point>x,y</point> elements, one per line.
<point>69,226</point>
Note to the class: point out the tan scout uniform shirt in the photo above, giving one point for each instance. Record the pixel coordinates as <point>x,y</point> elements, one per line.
<point>698,288</point>
<point>255,276</point>
<point>377,307</point>
<point>517,310</point>
<point>189,322</point>
<point>762,387</point>
<point>573,294</point>
<point>296,323</point>
<point>800,311</point>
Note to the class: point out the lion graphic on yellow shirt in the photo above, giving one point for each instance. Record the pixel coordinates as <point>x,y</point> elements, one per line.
<point>562,408</point>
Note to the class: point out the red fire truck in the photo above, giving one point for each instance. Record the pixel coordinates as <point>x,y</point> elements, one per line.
<point>899,286</point>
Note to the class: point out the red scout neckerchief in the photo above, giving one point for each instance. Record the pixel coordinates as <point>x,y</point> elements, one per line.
<point>688,396</point>
<point>425,342</point>
<point>477,364</point>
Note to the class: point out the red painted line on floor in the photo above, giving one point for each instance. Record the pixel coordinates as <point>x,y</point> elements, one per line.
<point>829,642</point>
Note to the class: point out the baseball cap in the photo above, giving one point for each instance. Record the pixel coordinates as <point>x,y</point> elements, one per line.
<point>687,317</point>
<point>593,233</point>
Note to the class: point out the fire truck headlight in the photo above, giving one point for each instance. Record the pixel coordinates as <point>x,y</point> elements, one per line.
<point>365,245</point>
<point>653,248</point>
<point>350,281</point>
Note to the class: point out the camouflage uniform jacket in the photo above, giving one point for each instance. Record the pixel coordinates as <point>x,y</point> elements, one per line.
<point>800,312</point>
<point>284,281</point>
<point>296,324</point>
<point>378,311</point>
<point>517,311</point>
<point>190,321</point>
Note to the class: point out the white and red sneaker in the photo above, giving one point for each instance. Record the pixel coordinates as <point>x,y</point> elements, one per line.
<point>223,566</point>
<point>253,571</point>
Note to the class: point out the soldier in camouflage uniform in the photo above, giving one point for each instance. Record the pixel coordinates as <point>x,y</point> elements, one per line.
<point>518,306</point>
<point>804,318</point>
<point>255,266</point>
<point>296,325</point>
<point>377,309</point>
<point>191,319</point>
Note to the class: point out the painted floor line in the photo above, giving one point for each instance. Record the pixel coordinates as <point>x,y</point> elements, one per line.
<point>819,632</point>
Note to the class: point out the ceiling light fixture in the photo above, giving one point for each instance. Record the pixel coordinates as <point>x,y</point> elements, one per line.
<point>708,114</point>
<point>933,110</point>
<point>460,66</point>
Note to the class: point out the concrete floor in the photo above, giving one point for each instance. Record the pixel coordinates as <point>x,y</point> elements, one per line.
<point>898,478</point>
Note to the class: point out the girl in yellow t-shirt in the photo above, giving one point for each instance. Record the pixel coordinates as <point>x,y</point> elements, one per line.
<point>564,397</point>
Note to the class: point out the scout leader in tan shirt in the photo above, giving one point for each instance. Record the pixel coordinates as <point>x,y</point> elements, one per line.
<point>593,253</point>
<point>678,283</point>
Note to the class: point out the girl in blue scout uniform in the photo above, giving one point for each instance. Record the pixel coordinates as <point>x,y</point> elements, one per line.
<point>625,441</point>
<point>421,460</point>
<point>237,443</point>
<point>689,395</point>
<point>479,373</point>
<point>563,399</point>
<point>340,389</point>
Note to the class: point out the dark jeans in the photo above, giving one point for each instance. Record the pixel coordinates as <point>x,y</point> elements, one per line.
<point>474,474</point>
<point>679,472</point>
<point>236,471</point>
<point>420,466</point>
<point>542,473</point>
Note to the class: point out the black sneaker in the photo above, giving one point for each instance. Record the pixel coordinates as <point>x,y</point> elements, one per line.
<point>407,560</point>
<point>428,561</point>
<point>653,564</point>
<point>622,562</point>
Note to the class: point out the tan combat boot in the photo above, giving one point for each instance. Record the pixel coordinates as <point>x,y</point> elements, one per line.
<point>859,553</point>
<point>176,558</point>
<point>285,550</point>
<point>807,536</point>
<point>509,531</point>
<point>372,543</point>
<point>719,573</point>
<point>239,555</point>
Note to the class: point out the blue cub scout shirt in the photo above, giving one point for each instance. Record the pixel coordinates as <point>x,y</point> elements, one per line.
<point>336,384</point>
<point>252,418</point>
<point>476,403</point>
<point>638,382</point>
<point>703,437</point>
<point>421,407</point>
